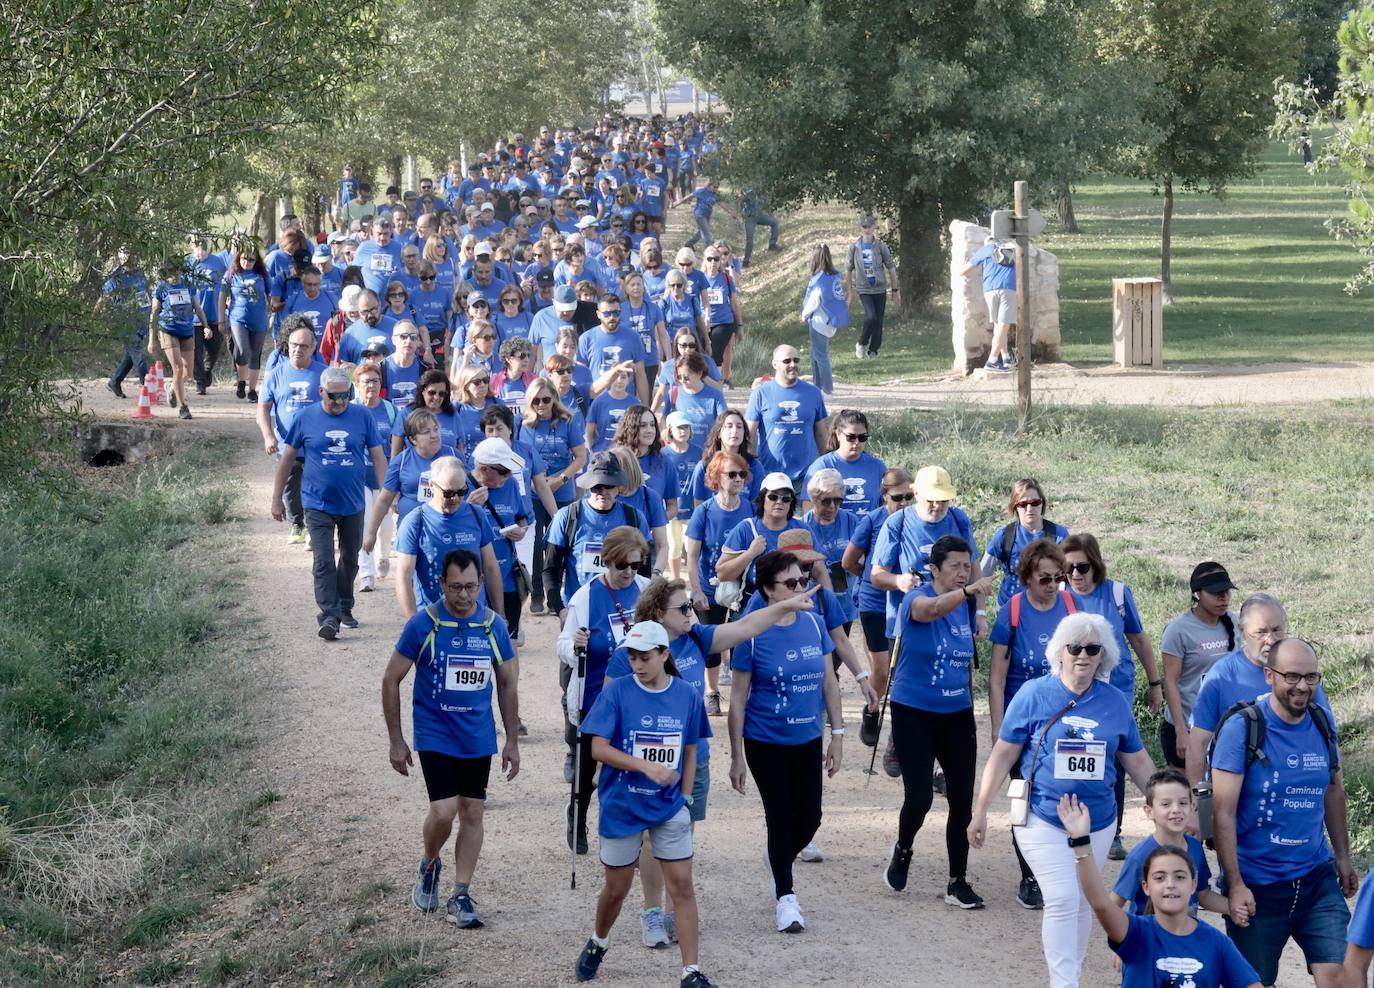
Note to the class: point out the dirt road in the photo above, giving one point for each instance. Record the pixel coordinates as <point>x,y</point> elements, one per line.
<point>346,829</point>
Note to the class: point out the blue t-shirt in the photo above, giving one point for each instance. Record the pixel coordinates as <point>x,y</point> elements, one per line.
<point>512,507</point>
<point>1206,958</point>
<point>248,301</point>
<point>584,554</point>
<point>1128,883</point>
<point>432,308</point>
<point>1231,679</point>
<point>336,458</point>
<point>1361,931</point>
<point>470,431</point>
<point>385,415</point>
<point>833,540</point>
<point>408,475</point>
<point>995,276</point>
<point>709,525</point>
<point>934,658</point>
<point>600,351</point>
<point>903,545</point>
<point>715,296</point>
<point>705,199</point>
<point>206,277</point>
<point>1125,620</point>
<point>689,653</point>
<point>177,315</point>
<point>380,264</point>
<point>702,409</point>
<point>403,383</point>
<point>606,413</point>
<point>429,535</point>
<point>450,429</point>
<point>863,478</point>
<point>289,389</point>
<point>360,335</point>
<point>643,322</point>
<point>1078,753</point>
<point>870,599</point>
<point>743,534</point>
<point>786,420</point>
<point>1026,658</point>
<point>1011,583</point>
<point>652,193</point>
<point>789,664</point>
<point>320,309</point>
<point>610,615</point>
<point>679,467</point>
<point>681,313</point>
<point>455,672</point>
<point>654,726</point>
<point>556,440</point>
<point>1281,814</point>
<point>512,327</point>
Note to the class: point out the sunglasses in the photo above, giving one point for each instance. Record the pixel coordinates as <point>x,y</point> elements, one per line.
<point>711,257</point>
<point>855,437</point>
<point>1030,502</point>
<point>426,277</point>
<point>562,370</point>
<point>481,380</point>
<point>453,495</point>
<point>784,496</point>
<point>604,489</point>
<point>407,336</point>
<point>830,502</point>
<point>1046,580</point>
<point>500,471</point>
<point>1092,648</point>
<point>736,474</point>
<point>436,392</point>
<point>684,264</point>
<point>510,301</point>
<point>543,400</point>
<point>684,609</point>
<point>687,344</point>
<point>1080,568</point>
<point>336,395</point>
<point>790,360</point>
<point>629,564</point>
<point>792,582</point>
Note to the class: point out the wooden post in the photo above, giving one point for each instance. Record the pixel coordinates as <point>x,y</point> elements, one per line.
<point>1023,334</point>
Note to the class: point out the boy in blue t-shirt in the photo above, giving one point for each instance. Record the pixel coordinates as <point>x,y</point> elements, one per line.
<point>1168,805</point>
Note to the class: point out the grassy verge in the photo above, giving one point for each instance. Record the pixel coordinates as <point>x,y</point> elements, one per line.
<point>1256,277</point>
<point>120,703</point>
<point>1283,500</point>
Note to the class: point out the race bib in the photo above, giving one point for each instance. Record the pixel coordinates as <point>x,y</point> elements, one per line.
<point>179,297</point>
<point>618,629</point>
<point>591,565</point>
<point>380,262</point>
<point>716,296</point>
<point>143,299</point>
<point>657,747</point>
<point>466,674</point>
<point>426,493</point>
<point>1081,760</point>
<point>651,192</point>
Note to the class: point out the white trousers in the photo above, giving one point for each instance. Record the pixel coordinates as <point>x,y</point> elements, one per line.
<point>367,561</point>
<point>1068,919</point>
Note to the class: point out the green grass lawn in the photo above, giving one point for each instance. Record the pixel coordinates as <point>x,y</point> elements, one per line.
<point>1282,500</point>
<point>1256,277</point>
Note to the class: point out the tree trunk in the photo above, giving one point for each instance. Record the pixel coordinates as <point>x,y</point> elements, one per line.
<point>393,174</point>
<point>288,201</point>
<point>921,260</point>
<point>1068,223</point>
<point>263,219</point>
<point>1165,246</point>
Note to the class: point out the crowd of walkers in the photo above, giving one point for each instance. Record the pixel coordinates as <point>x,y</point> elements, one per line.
<point>498,392</point>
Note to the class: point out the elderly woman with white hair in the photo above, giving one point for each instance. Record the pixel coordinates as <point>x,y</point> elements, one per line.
<point>1065,730</point>
<point>834,526</point>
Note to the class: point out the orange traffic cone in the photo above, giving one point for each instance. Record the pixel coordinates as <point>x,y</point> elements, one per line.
<point>144,410</point>
<point>159,392</point>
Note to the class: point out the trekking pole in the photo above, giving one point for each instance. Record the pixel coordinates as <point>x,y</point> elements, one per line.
<point>581,652</point>
<point>882,712</point>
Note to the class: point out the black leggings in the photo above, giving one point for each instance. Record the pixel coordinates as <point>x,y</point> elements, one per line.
<point>788,777</point>
<point>921,738</point>
<point>875,307</point>
<point>1168,741</point>
<point>720,339</point>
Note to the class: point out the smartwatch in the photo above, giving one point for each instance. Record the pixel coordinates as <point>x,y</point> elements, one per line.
<point>1083,841</point>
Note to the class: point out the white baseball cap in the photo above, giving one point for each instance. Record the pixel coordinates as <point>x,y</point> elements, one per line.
<point>585,222</point>
<point>483,247</point>
<point>776,481</point>
<point>496,452</point>
<point>646,636</point>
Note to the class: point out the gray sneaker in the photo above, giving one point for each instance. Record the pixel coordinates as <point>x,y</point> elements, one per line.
<point>426,895</point>
<point>713,704</point>
<point>463,911</point>
<point>651,928</point>
<point>890,763</point>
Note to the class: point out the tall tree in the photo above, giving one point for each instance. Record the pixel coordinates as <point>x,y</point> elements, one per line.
<point>1210,105</point>
<point>919,111</point>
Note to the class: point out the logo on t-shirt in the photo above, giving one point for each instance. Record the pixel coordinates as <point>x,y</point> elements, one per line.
<point>611,355</point>
<point>789,411</point>
<point>1176,966</point>
<point>792,655</point>
<point>854,489</point>
<point>1083,724</point>
<point>338,440</point>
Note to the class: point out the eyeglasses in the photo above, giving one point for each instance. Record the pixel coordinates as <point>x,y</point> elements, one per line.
<point>830,502</point>
<point>336,395</point>
<point>1294,678</point>
<point>1045,579</point>
<point>784,496</point>
<point>736,474</point>
<point>510,301</point>
<point>542,400</point>
<point>855,437</point>
<point>687,344</point>
<point>1030,502</point>
<point>1080,568</point>
<point>1075,649</point>
<point>790,360</point>
<point>371,310</point>
<point>792,582</point>
<point>436,392</point>
<point>463,588</point>
<point>407,336</point>
<point>629,564</point>
<point>449,495</point>
<point>684,609</point>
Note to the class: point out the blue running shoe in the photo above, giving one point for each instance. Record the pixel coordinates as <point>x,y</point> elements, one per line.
<point>463,911</point>
<point>590,961</point>
<point>426,894</point>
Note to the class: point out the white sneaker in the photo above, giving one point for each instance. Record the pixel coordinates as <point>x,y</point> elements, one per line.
<point>367,584</point>
<point>725,678</point>
<point>860,351</point>
<point>812,854</point>
<point>789,914</point>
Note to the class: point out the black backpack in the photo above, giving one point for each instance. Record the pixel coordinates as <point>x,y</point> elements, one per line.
<point>1255,731</point>
<point>1049,531</point>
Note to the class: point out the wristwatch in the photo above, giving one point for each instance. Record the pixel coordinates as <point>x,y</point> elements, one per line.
<point>837,732</point>
<point>687,798</point>
<point>1083,841</point>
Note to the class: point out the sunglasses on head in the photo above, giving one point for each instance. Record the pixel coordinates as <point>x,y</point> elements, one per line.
<point>1075,649</point>
<point>784,496</point>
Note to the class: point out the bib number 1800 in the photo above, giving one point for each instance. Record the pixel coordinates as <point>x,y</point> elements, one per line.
<point>658,748</point>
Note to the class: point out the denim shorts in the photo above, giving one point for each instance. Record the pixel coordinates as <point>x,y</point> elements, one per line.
<point>701,789</point>
<point>1311,911</point>
<point>671,840</point>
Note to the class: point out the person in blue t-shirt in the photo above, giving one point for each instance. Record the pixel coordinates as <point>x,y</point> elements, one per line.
<point>174,312</point>
<point>997,264</point>
<point>407,482</point>
<point>443,522</point>
<point>782,684</point>
<point>824,311</point>
<point>861,470</point>
<point>680,456</point>
<point>644,730</point>
<point>379,258</point>
<point>339,442</point>
<point>721,308</point>
<point>1026,506</point>
<point>290,386</point>
<point>501,491</point>
<point>206,271</point>
<point>1359,949</point>
<point>243,308</point>
<point>691,396</point>
<point>833,526</point>
<point>367,383</point>
<point>558,434</point>
<point>1063,731</point>
<point>706,198</point>
<point>461,653</point>
<point>1169,808</point>
<point>612,345</point>
<point>402,368</point>
<point>932,712</point>
<point>312,301</point>
<point>1169,946</point>
<point>1272,818</point>
<point>608,408</point>
<point>126,292</point>
<point>786,417</point>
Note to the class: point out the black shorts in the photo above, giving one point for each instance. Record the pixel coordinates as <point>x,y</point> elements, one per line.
<point>446,776</point>
<point>715,614</point>
<point>512,612</point>
<point>874,624</point>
